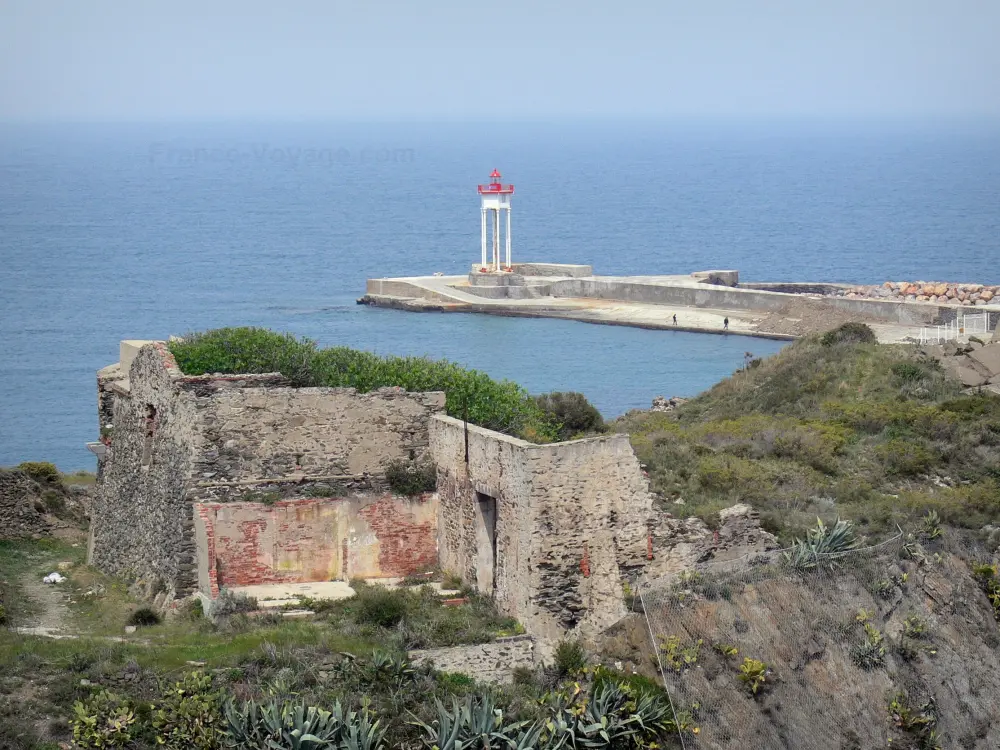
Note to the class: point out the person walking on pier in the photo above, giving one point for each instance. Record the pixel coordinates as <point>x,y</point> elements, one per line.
<point>725,324</point>
<point>675,318</point>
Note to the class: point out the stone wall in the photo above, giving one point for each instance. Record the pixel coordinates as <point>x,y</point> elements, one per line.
<point>180,439</point>
<point>141,527</point>
<point>487,662</point>
<point>269,432</point>
<point>18,515</point>
<point>570,520</point>
<point>318,539</point>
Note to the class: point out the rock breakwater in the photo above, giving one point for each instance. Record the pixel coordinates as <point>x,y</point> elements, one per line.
<point>937,292</point>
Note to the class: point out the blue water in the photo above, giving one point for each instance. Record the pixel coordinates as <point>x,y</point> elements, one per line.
<point>141,231</point>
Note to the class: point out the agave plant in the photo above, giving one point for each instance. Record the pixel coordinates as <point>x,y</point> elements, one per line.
<point>476,724</point>
<point>282,726</point>
<point>821,540</point>
<point>386,668</point>
<point>360,732</point>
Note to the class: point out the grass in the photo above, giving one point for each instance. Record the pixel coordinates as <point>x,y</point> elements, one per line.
<point>874,433</point>
<point>413,617</point>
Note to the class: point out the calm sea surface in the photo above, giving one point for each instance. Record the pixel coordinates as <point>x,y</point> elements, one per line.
<point>142,231</point>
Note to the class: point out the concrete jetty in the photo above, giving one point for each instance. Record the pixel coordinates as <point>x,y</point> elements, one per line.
<point>702,301</point>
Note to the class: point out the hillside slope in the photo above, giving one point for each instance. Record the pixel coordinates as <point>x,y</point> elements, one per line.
<point>878,434</point>
<point>893,640</point>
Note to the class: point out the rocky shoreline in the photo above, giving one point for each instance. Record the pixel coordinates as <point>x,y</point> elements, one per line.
<point>941,293</point>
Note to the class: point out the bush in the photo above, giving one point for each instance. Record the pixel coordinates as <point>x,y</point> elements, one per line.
<point>54,501</point>
<point>849,333</point>
<point>380,606</point>
<point>904,457</point>
<point>189,715</point>
<point>410,478</point>
<point>231,603</point>
<point>3,615</point>
<point>571,413</point>
<point>104,720</point>
<point>570,657</point>
<point>246,350</point>
<point>496,405</point>
<point>40,471</point>
<point>143,617</point>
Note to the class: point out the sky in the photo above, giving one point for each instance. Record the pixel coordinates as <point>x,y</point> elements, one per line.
<point>497,59</point>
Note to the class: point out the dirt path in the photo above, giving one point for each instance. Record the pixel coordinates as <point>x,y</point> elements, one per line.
<point>52,616</point>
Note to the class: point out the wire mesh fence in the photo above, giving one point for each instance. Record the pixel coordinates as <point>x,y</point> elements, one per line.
<point>725,632</point>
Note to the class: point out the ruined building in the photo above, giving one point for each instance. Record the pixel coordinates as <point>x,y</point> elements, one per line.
<point>213,481</point>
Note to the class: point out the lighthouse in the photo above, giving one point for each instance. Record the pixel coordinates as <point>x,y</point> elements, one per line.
<point>496,201</point>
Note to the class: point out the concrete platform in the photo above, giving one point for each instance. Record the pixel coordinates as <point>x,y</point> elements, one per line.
<point>701,301</point>
<point>276,595</point>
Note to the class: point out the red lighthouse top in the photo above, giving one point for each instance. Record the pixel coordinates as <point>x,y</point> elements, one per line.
<point>495,185</point>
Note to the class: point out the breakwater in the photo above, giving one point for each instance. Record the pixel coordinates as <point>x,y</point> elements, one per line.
<point>942,293</point>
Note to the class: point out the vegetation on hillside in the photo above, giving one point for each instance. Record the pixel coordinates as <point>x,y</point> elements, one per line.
<point>832,426</point>
<point>248,679</point>
<point>498,405</point>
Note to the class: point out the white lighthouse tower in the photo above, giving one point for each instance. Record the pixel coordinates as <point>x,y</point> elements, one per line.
<point>496,200</point>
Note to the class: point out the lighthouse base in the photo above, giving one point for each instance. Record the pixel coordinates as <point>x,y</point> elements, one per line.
<point>563,270</point>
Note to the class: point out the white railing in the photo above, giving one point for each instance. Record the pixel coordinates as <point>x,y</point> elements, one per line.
<point>966,325</point>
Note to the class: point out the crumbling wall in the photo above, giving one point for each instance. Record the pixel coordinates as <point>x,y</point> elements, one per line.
<point>18,515</point>
<point>141,527</point>
<point>497,469</point>
<point>571,518</point>
<point>593,511</point>
<point>262,433</point>
<point>316,539</point>
<point>237,438</point>
<point>487,662</point>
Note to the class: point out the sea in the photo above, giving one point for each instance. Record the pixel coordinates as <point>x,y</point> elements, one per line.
<point>143,230</point>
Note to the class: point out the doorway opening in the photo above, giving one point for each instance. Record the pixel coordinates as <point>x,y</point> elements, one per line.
<point>486,542</point>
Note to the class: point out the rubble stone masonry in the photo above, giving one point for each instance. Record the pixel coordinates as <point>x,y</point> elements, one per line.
<point>570,519</point>
<point>178,440</point>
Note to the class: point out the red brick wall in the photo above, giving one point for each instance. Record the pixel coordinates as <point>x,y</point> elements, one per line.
<point>316,539</point>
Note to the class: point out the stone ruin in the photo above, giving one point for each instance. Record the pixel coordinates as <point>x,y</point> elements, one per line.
<point>219,481</point>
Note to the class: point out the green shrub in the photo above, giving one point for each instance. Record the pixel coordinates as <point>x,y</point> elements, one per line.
<point>189,715</point>
<point>570,657</point>
<point>380,606</point>
<point>571,412</point>
<point>410,478</point>
<point>246,350</point>
<point>849,333</point>
<point>3,615</point>
<point>230,603</point>
<point>908,372</point>
<point>677,656</point>
<point>753,674</point>
<point>914,626</point>
<point>54,501</point>
<point>104,720</point>
<point>904,457</point>
<point>470,394</point>
<point>40,471</point>
<point>143,617</point>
